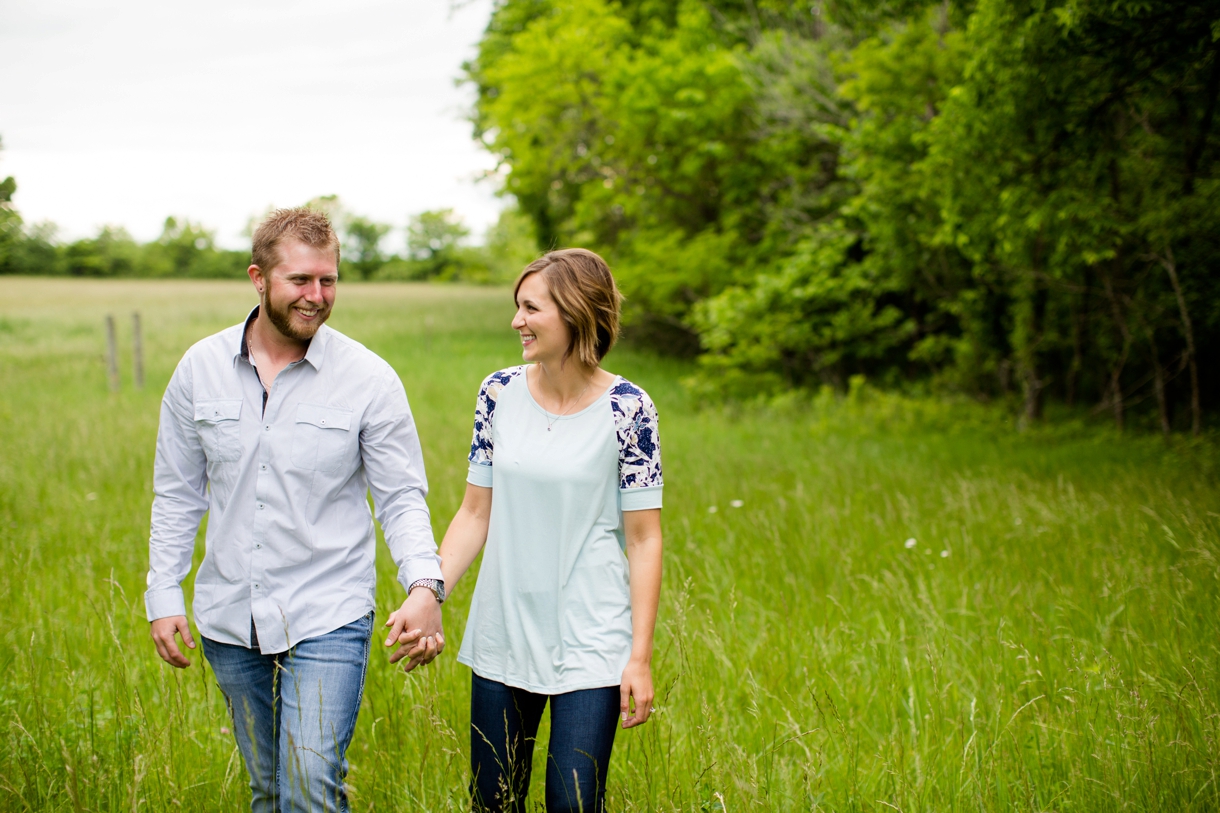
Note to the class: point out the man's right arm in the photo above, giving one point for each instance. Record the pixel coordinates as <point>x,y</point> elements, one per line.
<point>179,503</point>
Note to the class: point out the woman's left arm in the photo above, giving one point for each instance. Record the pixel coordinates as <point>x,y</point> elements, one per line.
<point>642,530</point>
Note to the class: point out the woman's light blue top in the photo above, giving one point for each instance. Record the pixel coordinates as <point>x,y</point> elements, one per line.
<point>551,611</point>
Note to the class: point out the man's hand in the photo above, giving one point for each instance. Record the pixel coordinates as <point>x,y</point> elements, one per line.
<point>163,631</point>
<point>416,628</point>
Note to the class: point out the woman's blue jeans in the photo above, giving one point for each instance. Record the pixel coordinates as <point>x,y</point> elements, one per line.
<point>503,727</point>
<point>294,714</point>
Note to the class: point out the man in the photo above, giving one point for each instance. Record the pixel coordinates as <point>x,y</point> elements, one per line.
<point>279,426</point>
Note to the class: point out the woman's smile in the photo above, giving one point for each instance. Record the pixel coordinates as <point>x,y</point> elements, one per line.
<point>544,335</point>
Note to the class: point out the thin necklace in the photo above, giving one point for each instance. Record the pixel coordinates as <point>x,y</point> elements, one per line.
<point>552,421</point>
<point>253,360</point>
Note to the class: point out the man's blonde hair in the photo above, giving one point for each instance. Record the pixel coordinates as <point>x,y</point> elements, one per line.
<point>307,225</point>
<point>582,286</point>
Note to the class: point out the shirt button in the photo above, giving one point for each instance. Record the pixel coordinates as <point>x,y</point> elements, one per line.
<point>261,506</point>
<point>263,467</point>
<point>324,423</point>
<point>260,547</point>
<point>267,427</point>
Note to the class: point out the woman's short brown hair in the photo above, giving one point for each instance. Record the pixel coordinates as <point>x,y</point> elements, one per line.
<point>309,226</point>
<point>582,286</point>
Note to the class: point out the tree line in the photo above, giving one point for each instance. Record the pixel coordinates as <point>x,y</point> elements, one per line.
<point>1014,199</point>
<point>436,240</point>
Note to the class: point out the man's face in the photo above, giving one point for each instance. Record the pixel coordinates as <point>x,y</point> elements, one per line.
<point>298,293</point>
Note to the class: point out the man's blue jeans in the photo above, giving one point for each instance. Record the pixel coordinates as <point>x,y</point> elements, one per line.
<point>294,714</point>
<point>503,725</point>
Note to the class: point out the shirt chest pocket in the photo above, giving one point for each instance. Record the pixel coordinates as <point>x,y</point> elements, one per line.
<point>321,440</point>
<point>219,429</point>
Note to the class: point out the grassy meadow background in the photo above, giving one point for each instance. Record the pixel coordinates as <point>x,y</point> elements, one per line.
<point>869,603</point>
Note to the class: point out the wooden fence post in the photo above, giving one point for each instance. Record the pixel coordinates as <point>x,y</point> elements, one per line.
<point>137,346</point>
<point>112,356</point>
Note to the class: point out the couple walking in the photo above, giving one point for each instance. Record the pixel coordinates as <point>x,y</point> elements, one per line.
<point>278,428</point>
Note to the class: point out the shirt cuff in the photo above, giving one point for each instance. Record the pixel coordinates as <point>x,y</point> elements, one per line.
<point>640,499</point>
<point>479,475</point>
<point>164,603</point>
<point>424,567</point>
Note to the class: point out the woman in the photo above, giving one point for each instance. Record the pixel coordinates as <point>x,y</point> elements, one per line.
<point>564,490</point>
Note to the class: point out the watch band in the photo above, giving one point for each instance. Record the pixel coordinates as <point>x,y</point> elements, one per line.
<point>437,586</point>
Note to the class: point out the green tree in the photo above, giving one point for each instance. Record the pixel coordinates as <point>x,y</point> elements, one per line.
<point>1077,128</point>
<point>637,130</point>
<point>112,253</point>
<point>434,242</point>
<point>509,245</point>
<point>36,251</point>
<point>362,245</point>
<point>1035,192</point>
<point>10,224</point>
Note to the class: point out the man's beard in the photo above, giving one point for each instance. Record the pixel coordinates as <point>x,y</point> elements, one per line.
<point>282,319</point>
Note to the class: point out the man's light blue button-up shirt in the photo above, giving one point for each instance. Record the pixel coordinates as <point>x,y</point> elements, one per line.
<point>290,539</point>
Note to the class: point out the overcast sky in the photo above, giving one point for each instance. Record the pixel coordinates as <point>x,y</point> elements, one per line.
<point>126,112</point>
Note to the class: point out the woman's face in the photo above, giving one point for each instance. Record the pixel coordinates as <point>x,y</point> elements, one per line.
<point>544,335</point>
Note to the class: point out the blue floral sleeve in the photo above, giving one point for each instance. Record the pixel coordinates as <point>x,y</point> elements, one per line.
<point>484,411</point>
<point>639,444</point>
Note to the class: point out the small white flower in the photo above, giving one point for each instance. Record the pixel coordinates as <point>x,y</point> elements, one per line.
<point>910,543</point>
<point>91,496</point>
<point>711,509</point>
<point>944,554</point>
<point>737,503</point>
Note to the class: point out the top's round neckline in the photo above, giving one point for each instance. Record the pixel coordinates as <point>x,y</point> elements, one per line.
<point>538,406</point>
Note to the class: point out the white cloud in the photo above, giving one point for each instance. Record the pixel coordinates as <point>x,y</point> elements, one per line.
<point>128,112</point>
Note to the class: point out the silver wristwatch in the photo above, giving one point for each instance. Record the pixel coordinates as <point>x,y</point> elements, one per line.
<point>437,586</point>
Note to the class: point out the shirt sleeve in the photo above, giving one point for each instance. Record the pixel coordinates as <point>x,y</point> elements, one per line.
<point>639,448</point>
<point>394,467</point>
<point>180,498</point>
<point>482,446</point>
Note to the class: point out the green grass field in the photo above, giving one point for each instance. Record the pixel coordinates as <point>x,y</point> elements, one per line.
<point>1048,641</point>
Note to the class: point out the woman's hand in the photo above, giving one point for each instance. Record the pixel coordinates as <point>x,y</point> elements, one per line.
<point>636,685</point>
<point>416,627</point>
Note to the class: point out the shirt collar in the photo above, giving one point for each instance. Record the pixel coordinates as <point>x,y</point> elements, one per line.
<point>317,347</point>
<point>314,354</point>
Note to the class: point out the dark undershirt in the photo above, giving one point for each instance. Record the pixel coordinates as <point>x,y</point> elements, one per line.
<point>245,356</point>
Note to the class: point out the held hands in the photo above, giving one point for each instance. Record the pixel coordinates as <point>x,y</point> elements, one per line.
<point>416,628</point>
<point>636,685</point>
<point>163,631</point>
